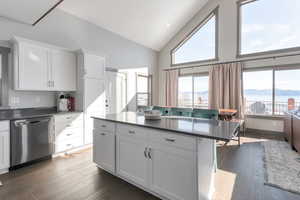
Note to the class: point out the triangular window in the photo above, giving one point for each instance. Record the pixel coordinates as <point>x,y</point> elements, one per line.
<point>199,45</point>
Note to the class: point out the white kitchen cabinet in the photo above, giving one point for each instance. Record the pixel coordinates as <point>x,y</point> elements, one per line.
<point>68,131</point>
<point>63,70</point>
<point>41,67</point>
<point>173,172</point>
<point>104,150</point>
<point>132,163</point>
<point>32,72</point>
<point>4,146</point>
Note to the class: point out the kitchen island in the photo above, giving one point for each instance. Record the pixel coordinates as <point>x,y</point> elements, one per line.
<point>173,158</point>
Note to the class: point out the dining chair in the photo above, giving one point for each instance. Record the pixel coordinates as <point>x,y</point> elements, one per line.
<point>185,112</point>
<point>205,113</point>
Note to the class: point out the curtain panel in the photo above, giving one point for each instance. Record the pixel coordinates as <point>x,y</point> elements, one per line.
<point>172,87</point>
<point>226,87</point>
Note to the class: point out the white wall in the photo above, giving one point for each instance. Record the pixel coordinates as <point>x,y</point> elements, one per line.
<point>227,48</point>
<point>62,29</point>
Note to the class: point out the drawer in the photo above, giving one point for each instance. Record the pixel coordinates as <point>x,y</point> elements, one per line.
<point>68,118</point>
<point>68,144</point>
<point>69,134</point>
<point>102,125</point>
<point>132,131</point>
<point>175,140</point>
<point>4,125</point>
<point>61,126</point>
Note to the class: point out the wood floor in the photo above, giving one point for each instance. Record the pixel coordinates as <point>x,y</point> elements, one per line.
<point>240,177</point>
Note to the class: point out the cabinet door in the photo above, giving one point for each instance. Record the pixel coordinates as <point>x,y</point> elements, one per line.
<point>173,173</point>
<point>4,150</point>
<point>131,161</point>
<point>94,66</point>
<point>63,68</point>
<point>33,67</point>
<point>104,150</point>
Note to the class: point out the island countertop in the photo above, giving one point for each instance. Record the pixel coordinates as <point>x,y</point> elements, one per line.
<point>207,128</point>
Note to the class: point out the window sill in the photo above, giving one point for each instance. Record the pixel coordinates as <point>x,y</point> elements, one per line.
<point>273,117</point>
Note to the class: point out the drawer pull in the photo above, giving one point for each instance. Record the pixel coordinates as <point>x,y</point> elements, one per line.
<point>170,140</point>
<point>68,125</point>
<point>149,153</point>
<point>103,126</point>
<point>102,133</point>
<point>68,117</point>
<point>131,132</point>
<point>69,134</point>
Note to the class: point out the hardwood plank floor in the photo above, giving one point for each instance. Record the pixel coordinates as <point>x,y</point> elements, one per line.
<point>74,177</point>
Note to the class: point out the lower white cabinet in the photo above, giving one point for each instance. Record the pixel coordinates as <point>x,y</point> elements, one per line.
<point>132,163</point>
<point>173,172</point>
<point>69,132</point>
<point>169,165</point>
<point>4,146</point>
<point>104,149</point>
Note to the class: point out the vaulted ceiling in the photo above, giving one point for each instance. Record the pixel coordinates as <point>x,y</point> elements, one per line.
<point>151,23</point>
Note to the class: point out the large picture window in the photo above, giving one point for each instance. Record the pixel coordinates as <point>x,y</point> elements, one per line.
<point>193,91</point>
<point>271,92</point>
<point>268,25</point>
<point>199,45</point>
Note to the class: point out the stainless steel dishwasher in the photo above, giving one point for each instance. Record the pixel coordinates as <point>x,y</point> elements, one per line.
<point>31,139</point>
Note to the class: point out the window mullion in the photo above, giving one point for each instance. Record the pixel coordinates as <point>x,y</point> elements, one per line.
<point>193,90</point>
<point>273,92</point>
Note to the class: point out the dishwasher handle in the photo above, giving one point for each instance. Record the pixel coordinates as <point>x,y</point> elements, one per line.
<point>19,123</point>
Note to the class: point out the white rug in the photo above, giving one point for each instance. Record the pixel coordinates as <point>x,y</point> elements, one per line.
<point>282,166</point>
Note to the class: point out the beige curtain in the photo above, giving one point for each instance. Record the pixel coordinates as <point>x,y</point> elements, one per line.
<point>171,87</point>
<point>225,87</point>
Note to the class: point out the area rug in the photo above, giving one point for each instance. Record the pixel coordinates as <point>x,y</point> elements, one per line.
<point>282,166</point>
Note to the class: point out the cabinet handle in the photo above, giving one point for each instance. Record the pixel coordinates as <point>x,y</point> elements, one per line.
<point>103,126</point>
<point>52,83</point>
<point>68,117</point>
<point>145,152</point>
<point>149,153</point>
<point>69,134</point>
<point>48,84</point>
<point>103,134</point>
<point>170,140</point>
<point>131,132</point>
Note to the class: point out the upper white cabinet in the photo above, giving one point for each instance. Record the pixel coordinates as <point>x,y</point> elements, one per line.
<point>32,73</point>
<point>94,66</point>
<point>39,67</point>
<point>63,72</point>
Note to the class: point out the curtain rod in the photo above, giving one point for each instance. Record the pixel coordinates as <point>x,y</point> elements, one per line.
<point>233,61</point>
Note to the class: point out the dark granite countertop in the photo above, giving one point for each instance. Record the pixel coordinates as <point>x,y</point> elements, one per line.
<point>207,128</point>
<point>13,114</point>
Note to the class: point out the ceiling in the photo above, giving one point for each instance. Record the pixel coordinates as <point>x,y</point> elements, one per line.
<point>28,12</point>
<point>151,23</point>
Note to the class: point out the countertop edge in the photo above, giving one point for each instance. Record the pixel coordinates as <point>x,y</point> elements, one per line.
<point>174,130</point>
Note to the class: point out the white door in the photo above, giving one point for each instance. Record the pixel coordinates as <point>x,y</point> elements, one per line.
<point>94,103</point>
<point>115,92</point>
<point>94,66</point>
<point>104,150</point>
<point>63,73</point>
<point>4,150</point>
<point>131,161</point>
<point>173,173</point>
<point>33,72</point>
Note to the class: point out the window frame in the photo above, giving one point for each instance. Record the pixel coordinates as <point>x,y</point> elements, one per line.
<point>193,75</point>
<point>240,3</point>
<point>213,13</point>
<point>273,69</point>
<point>149,93</point>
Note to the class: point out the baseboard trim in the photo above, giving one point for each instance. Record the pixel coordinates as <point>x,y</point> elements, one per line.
<point>258,131</point>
